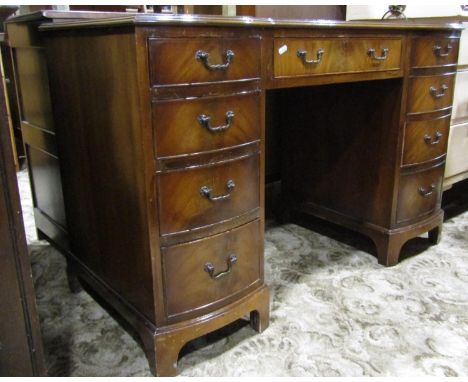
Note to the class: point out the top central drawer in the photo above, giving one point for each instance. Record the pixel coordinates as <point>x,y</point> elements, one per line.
<point>294,57</point>
<point>185,61</point>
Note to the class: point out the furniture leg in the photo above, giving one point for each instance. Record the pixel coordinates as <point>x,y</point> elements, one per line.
<point>435,234</point>
<point>73,282</point>
<point>260,318</point>
<point>388,249</point>
<point>162,349</point>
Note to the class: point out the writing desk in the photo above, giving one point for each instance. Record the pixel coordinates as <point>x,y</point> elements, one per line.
<point>160,126</point>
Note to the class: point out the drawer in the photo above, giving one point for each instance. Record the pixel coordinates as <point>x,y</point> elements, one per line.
<point>425,140</point>
<point>460,98</point>
<point>209,272</point>
<point>419,194</point>
<point>199,197</point>
<point>205,124</point>
<point>434,51</point>
<point>457,153</point>
<point>430,93</point>
<point>182,61</point>
<point>334,55</point>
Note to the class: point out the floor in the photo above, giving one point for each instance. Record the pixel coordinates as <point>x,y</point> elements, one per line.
<point>334,310</point>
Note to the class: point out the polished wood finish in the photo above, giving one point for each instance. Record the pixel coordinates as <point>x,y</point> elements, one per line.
<point>428,93</point>
<point>183,206</point>
<point>179,132</point>
<point>185,271</point>
<point>340,55</point>
<point>173,61</point>
<point>419,194</point>
<point>36,121</point>
<point>149,187</point>
<point>123,89</point>
<point>21,352</point>
<point>432,51</point>
<point>425,140</point>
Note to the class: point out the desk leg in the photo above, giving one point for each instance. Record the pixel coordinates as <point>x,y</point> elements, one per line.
<point>162,348</point>
<point>388,248</point>
<point>389,244</point>
<point>435,234</point>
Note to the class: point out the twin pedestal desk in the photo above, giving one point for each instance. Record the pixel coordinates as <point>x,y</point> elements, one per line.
<point>160,126</point>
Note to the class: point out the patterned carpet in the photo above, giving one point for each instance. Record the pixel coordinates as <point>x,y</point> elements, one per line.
<point>334,312</point>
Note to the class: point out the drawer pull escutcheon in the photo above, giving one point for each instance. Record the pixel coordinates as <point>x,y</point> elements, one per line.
<point>438,50</point>
<point>206,191</point>
<point>427,191</point>
<point>200,55</point>
<point>371,54</point>
<point>438,93</point>
<point>303,53</point>
<point>211,269</point>
<point>428,139</point>
<point>204,120</point>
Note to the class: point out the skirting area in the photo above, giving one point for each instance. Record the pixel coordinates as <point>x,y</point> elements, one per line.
<point>334,311</point>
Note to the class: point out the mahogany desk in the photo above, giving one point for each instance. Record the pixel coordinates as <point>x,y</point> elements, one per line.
<point>160,127</point>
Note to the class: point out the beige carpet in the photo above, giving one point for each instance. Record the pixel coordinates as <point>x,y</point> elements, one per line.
<point>334,312</point>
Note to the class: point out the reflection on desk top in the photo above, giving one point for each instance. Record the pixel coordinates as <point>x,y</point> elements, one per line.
<point>79,19</point>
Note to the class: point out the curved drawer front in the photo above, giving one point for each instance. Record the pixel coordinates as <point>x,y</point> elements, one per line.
<point>182,61</point>
<point>200,197</point>
<point>430,93</point>
<point>204,274</point>
<point>434,51</point>
<point>205,124</point>
<point>318,56</point>
<point>419,194</point>
<point>425,140</point>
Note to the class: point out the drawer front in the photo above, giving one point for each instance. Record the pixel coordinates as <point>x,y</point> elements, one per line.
<point>457,153</point>
<point>196,198</point>
<point>460,98</point>
<point>182,61</point>
<point>419,194</point>
<point>212,271</point>
<point>430,93</point>
<point>425,140</point>
<point>434,51</point>
<point>205,124</point>
<point>334,55</point>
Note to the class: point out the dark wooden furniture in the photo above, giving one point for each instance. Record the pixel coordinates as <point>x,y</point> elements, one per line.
<point>160,125</point>
<point>21,352</point>
<point>36,121</point>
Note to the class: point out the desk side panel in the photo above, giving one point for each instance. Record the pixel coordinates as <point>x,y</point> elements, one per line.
<point>94,88</point>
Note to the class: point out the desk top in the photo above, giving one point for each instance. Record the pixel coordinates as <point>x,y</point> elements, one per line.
<point>79,19</point>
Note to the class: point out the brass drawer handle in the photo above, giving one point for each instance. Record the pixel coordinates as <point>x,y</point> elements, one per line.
<point>382,57</point>
<point>202,56</point>
<point>211,269</point>
<point>204,120</point>
<point>303,53</point>
<point>427,191</point>
<point>437,49</point>
<point>206,192</point>
<point>430,141</point>
<point>438,93</point>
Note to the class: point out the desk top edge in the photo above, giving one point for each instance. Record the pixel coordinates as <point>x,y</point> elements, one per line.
<point>79,19</point>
